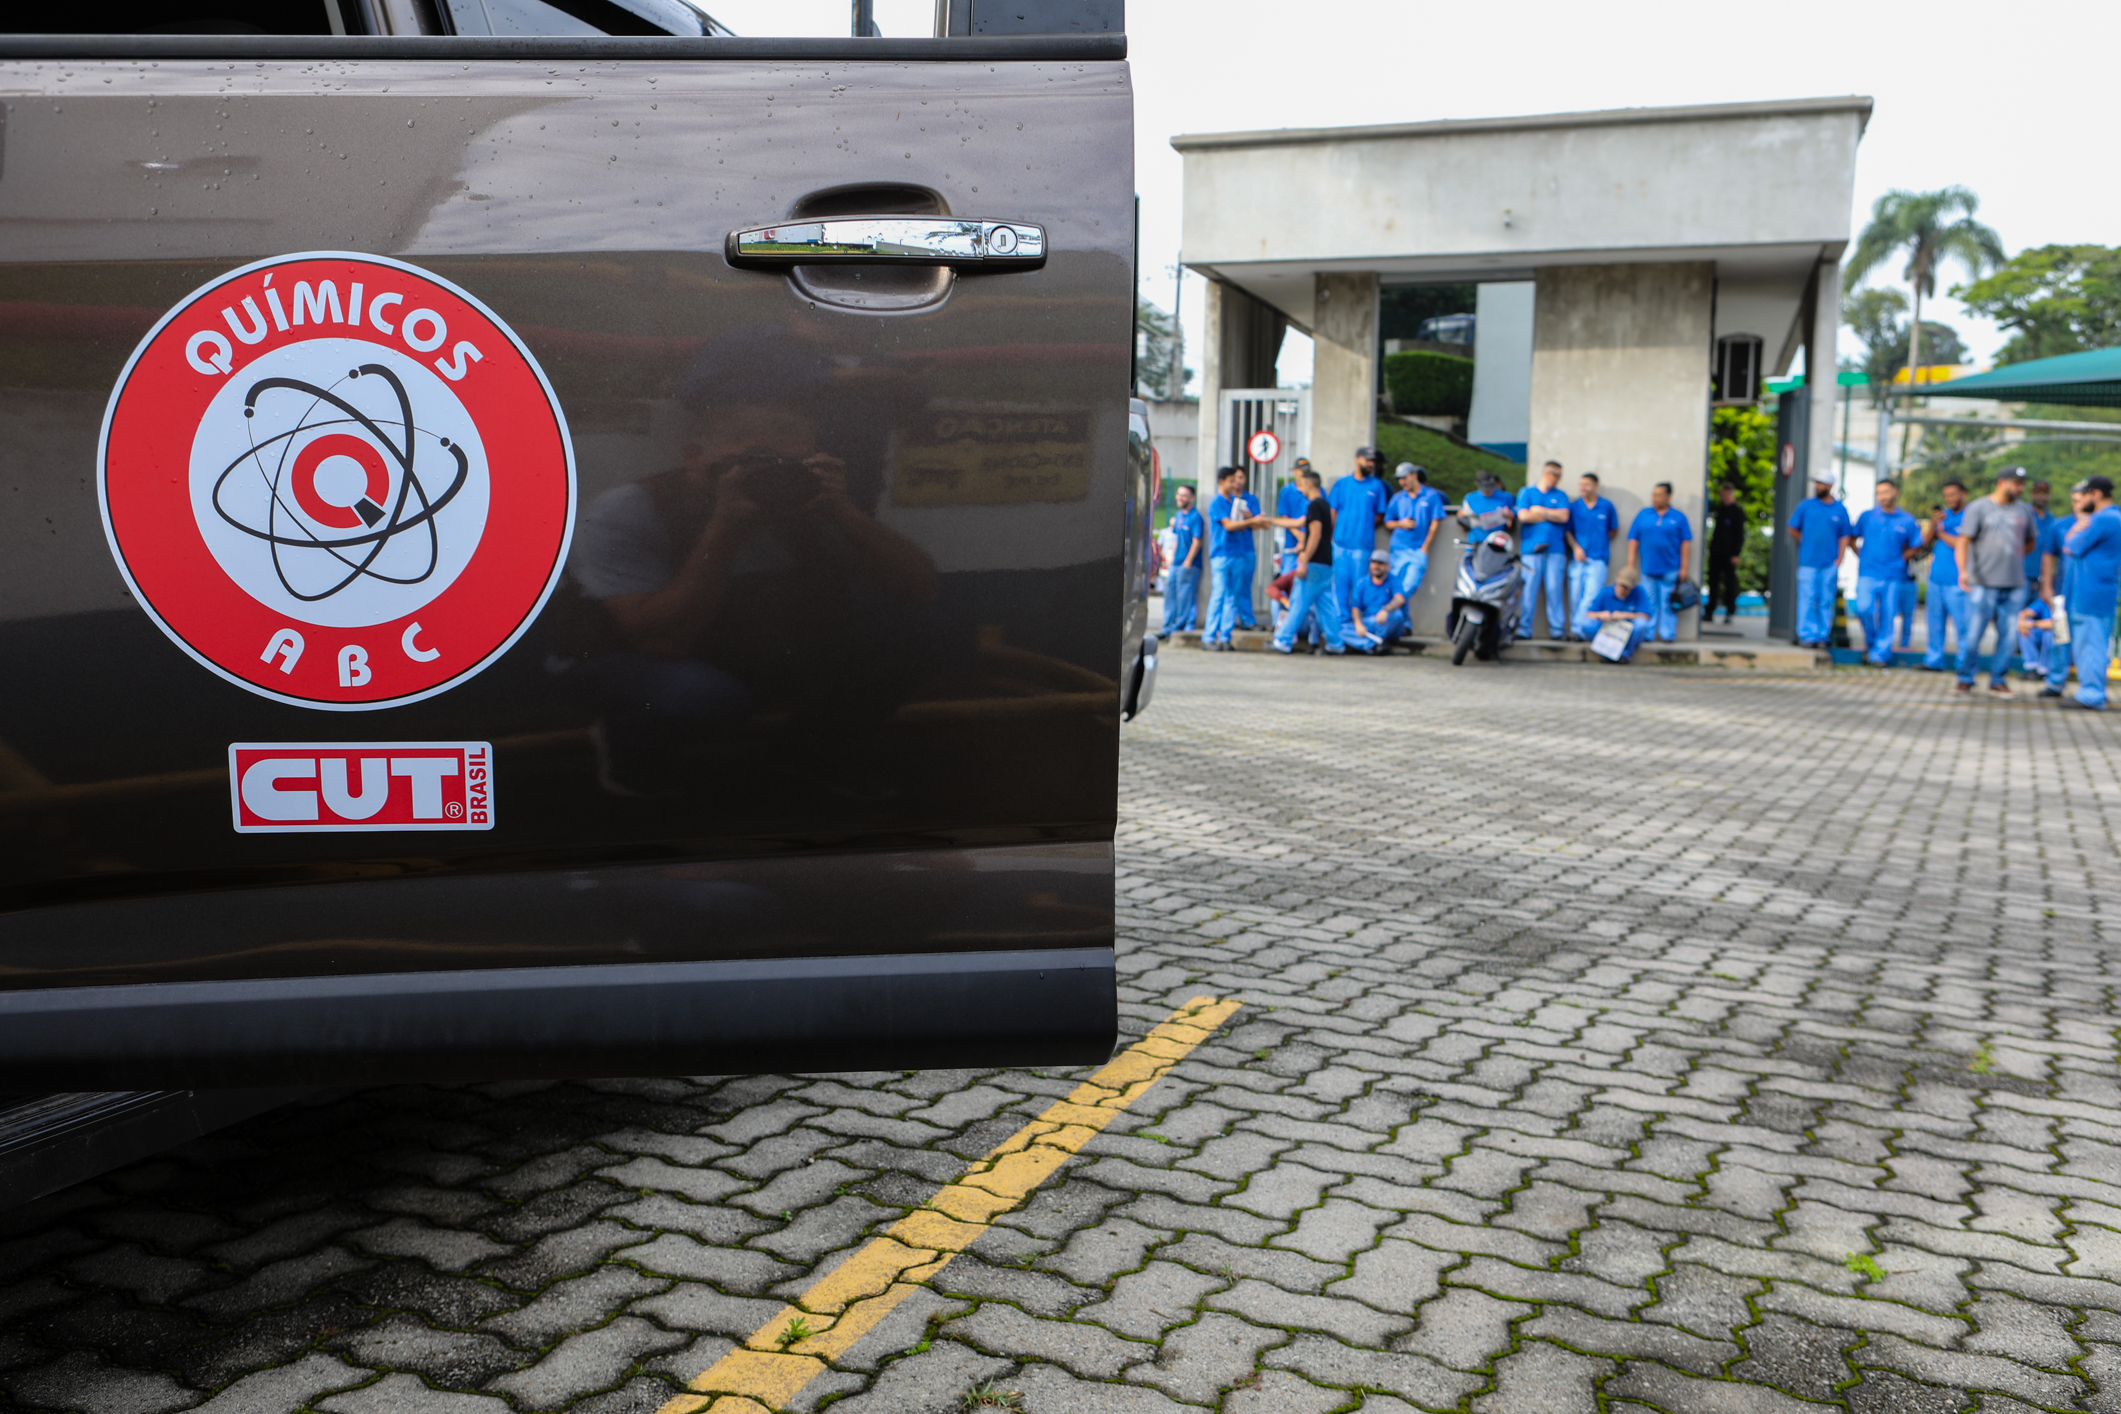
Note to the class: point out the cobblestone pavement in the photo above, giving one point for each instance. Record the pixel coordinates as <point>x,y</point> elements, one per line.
<point>1617,1040</point>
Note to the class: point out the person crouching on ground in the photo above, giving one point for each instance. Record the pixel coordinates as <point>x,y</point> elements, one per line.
<point>1377,616</point>
<point>1314,596</point>
<point>1624,600</point>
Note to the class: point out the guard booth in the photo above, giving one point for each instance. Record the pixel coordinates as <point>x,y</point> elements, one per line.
<point>1243,414</point>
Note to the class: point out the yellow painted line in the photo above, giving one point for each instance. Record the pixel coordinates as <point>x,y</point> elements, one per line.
<point>842,1306</point>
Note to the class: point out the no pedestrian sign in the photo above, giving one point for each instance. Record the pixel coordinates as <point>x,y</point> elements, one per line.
<point>1263,446</point>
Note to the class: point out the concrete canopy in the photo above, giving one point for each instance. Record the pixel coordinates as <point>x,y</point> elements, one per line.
<point>1760,189</point>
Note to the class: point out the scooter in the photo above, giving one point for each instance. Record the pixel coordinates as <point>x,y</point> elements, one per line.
<point>1487,600</point>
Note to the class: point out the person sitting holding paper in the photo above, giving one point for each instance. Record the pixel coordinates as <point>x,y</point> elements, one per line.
<point>1623,612</point>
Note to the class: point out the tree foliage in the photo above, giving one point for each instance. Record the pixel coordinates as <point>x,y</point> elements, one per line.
<point>1742,452</point>
<point>1879,319</point>
<point>1155,345</point>
<point>1932,227</point>
<point>1402,308</point>
<point>2055,299</point>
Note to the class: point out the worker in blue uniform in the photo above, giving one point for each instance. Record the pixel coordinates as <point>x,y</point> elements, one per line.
<point>1659,544</point>
<point>1543,521</point>
<point>1887,538</point>
<point>1822,532</point>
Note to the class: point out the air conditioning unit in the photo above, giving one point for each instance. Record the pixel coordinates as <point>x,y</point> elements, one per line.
<point>1737,373</point>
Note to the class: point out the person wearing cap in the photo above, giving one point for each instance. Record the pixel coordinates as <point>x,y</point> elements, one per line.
<point>1376,609</point>
<point>2093,548</point>
<point>1593,522</point>
<point>1182,586</point>
<point>1358,503</point>
<point>1289,506</point>
<point>1947,602</point>
<point>1413,515</point>
<point>1996,534</point>
<point>1232,557</point>
<point>1312,598</point>
<point>1888,538</point>
<point>1543,515</point>
<point>1821,532</point>
<point>1658,547</point>
<point>1624,600</point>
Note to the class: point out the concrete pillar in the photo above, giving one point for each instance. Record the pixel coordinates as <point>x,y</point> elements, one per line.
<point>1211,389</point>
<point>1822,367</point>
<point>1343,371</point>
<point>1620,384</point>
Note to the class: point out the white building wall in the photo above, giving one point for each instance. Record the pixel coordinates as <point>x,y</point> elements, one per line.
<point>1501,418</point>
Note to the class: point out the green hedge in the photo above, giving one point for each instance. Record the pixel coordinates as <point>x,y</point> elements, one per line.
<point>1429,384</point>
<point>1451,464</point>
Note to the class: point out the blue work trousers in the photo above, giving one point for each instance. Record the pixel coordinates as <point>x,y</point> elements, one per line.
<point>1546,576</point>
<point>1232,582</point>
<point>1815,603</point>
<point>1182,598</point>
<point>1876,601</point>
<point>1409,569</point>
<point>1904,611</point>
<point>1312,598</point>
<point>2037,647</point>
<point>1373,637</point>
<point>1350,567</point>
<point>1665,620</point>
<point>1947,604</point>
<point>1986,606</point>
<point>2091,638</point>
<point>1586,578</point>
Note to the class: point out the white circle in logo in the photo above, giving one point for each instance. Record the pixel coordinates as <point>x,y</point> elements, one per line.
<point>339,482</point>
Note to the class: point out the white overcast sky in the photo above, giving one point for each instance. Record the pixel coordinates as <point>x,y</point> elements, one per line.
<point>2017,104</point>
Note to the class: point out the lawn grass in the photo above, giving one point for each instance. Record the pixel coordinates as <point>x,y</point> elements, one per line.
<point>1451,464</point>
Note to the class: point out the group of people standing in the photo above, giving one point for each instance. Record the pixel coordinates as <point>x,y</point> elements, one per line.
<point>1335,584</point>
<point>2046,584</point>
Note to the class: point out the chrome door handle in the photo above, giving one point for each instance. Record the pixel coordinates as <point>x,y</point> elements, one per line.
<point>892,240</point>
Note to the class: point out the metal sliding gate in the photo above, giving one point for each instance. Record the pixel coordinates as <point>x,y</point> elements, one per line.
<point>1244,412</point>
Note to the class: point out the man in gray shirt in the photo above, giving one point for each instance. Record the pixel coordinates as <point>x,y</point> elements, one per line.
<point>1998,532</point>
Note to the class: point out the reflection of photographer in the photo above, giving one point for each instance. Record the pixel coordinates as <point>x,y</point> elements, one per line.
<point>723,579</point>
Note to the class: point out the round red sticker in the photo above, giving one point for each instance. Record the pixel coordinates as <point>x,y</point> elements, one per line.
<point>337,481</point>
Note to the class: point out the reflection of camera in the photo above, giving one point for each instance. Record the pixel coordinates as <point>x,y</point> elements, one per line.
<point>776,484</point>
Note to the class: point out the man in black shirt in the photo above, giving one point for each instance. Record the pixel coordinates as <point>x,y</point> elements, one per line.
<point>1311,596</point>
<point>1726,543</point>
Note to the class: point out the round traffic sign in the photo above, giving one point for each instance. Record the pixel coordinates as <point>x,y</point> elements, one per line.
<point>1263,446</point>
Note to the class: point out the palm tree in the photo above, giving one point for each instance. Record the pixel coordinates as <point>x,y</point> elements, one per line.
<point>1932,227</point>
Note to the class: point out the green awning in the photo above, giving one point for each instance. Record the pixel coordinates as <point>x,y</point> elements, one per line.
<point>2090,379</point>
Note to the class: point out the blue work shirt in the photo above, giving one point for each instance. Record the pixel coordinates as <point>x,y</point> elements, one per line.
<point>1542,535</point>
<point>1357,502</point>
<point>1610,601</point>
<point>2095,549</point>
<point>1661,534</point>
<point>1884,535</point>
<point>1417,507</point>
<point>2041,521</point>
<point>1481,503</point>
<point>1822,524</point>
<point>1368,596</point>
<point>1944,560</point>
<point>2052,535</point>
<point>1227,544</point>
<point>1594,527</point>
<point>1186,528</point>
<point>1289,505</point>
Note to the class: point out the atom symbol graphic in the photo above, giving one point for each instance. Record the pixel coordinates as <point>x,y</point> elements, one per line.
<point>328,499</point>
